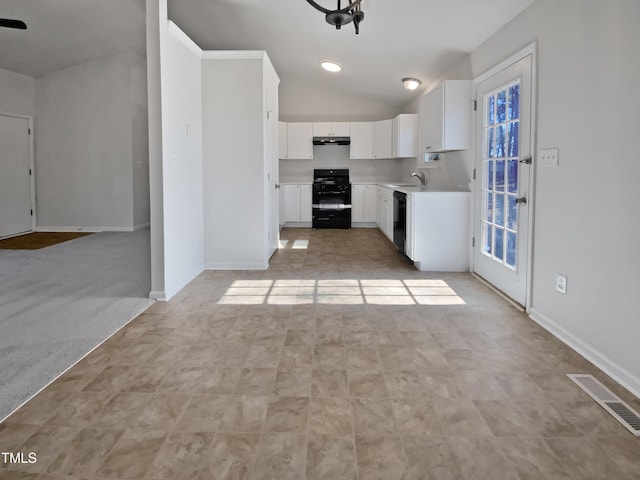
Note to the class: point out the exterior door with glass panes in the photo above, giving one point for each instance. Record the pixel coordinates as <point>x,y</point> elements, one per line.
<point>503,172</point>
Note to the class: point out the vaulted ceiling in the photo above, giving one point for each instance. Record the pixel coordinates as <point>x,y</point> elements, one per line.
<point>414,38</point>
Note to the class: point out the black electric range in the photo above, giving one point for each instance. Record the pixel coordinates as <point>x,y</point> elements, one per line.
<point>331,198</point>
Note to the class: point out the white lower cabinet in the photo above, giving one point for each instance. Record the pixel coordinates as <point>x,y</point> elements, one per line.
<point>295,203</point>
<point>438,231</point>
<point>384,215</point>
<point>363,203</point>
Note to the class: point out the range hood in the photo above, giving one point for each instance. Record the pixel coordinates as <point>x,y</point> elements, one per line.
<point>331,140</point>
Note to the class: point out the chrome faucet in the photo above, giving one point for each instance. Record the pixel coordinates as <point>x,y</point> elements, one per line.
<point>422,177</point>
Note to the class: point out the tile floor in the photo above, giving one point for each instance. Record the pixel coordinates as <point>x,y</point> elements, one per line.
<point>339,362</point>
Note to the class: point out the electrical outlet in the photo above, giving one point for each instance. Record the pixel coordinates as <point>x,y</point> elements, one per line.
<point>561,284</point>
<point>548,157</point>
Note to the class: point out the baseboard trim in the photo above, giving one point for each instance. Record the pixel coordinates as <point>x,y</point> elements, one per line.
<point>142,226</point>
<point>84,229</point>
<point>611,368</point>
<point>158,295</point>
<point>235,266</point>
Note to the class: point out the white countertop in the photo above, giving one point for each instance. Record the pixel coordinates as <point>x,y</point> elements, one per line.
<point>417,189</point>
<point>400,186</point>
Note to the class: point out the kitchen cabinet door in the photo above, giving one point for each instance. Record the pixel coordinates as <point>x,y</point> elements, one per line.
<point>300,140</point>
<point>357,203</point>
<point>404,140</point>
<point>382,139</point>
<point>291,203</point>
<point>305,203</point>
<point>282,140</point>
<point>341,129</point>
<point>361,140</point>
<point>369,204</point>
<point>321,129</point>
<point>445,117</point>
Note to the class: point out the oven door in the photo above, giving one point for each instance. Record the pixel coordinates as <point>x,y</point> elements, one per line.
<point>331,208</point>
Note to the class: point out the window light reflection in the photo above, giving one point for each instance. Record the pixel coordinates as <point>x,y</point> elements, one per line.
<point>341,292</point>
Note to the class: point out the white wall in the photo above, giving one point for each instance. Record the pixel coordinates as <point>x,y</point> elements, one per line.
<point>182,187</point>
<point>337,156</point>
<point>17,93</point>
<point>303,104</point>
<point>233,148</point>
<point>587,224</point>
<point>83,146</point>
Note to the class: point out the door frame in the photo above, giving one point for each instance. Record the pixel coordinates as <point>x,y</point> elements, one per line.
<point>529,50</point>
<point>32,178</point>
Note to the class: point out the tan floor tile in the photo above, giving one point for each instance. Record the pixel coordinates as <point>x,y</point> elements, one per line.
<point>330,416</point>
<point>331,458</point>
<point>85,453</point>
<point>329,357</point>
<point>416,417</point>
<point>181,456</point>
<point>404,384</point>
<point>329,383</point>
<point>232,457</point>
<point>460,418</point>
<point>438,464</point>
<point>504,418</point>
<point>287,415</point>
<point>47,443</point>
<point>256,381</point>
<point>161,411</point>
<point>584,458</point>
<point>373,416</point>
<point>532,459</point>
<point>245,414</point>
<point>203,413</point>
<point>264,357</point>
<point>281,456</point>
<point>362,358</point>
<point>293,382</point>
<point>78,409</point>
<point>132,455</point>
<point>480,458</point>
<point>367,383</point>
<point>12,435</point>
<point>380,458</point>
<point>215,381</point>
<point>296,357</point>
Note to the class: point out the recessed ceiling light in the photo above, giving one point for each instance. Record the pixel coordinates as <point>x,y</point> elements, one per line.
<point>411,83</point>
<point>330,66</point>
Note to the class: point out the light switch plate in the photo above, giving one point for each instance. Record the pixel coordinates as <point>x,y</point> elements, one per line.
<point>548,157</point>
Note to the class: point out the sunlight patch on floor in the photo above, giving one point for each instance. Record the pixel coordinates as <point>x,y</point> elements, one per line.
<point>341,292</point>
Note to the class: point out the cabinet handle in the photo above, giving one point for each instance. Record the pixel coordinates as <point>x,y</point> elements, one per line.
<point>428,147</point>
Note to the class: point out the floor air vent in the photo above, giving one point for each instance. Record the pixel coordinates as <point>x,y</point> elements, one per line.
<point>626,415</point>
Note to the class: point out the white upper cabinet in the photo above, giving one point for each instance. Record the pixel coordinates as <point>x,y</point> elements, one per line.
<point>282,140</point>
<point>361,140</point>
<point>404,140</point>
<point>331,129</point>
<point>382,139</point>
<point>300,140</point>
<point>445,117</point>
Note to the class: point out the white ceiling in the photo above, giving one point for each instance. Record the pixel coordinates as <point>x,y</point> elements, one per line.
<point>61,33</point>
<point>416,38</point>
<point>401,38</point>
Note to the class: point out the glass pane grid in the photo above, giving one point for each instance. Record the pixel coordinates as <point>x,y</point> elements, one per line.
<point>500,175</point>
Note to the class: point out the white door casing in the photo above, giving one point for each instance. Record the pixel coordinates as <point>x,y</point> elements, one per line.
<point>16,186</point>
<point>503,186</point>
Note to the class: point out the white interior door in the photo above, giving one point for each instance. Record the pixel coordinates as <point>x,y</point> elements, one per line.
<point>502,203</point>
<point>15,181</point>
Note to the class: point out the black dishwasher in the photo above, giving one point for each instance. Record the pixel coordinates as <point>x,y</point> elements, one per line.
<point>399,220</point>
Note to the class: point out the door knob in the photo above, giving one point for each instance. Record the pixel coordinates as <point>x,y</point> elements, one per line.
<point>521,201</point>
<point>277,186</point>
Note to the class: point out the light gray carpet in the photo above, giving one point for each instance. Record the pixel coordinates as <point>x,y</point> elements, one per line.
<point>58,303</point>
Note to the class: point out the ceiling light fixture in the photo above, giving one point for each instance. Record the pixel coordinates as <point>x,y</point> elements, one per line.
<point>411,83</point>
<point>330,66</point>
<point>342,16</point>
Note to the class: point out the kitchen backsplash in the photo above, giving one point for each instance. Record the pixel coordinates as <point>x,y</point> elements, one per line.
<point>337,156</point>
